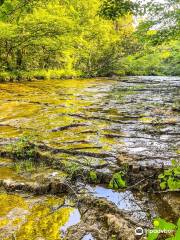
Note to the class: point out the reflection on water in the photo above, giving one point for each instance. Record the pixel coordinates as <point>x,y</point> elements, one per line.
<point>88,237</point>
<point>123,200</point>
<point>74,218</point>
<point>35,217</point>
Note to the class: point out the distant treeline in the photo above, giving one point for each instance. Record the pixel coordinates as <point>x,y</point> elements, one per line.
<point>79,38</point>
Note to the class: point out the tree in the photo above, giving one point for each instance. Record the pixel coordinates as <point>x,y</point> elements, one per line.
<point>113,9</point>
<point>61,35</point>
<point>55,38</point>
<point>164,17</point>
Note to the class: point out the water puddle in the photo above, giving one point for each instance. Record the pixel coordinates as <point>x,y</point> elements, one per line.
<point>74,219</point>
<point>141,207</point>
<point>88,237</point>
<point>123,200</point>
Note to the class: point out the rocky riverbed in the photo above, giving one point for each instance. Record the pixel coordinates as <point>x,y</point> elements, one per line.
<point>61,142</point>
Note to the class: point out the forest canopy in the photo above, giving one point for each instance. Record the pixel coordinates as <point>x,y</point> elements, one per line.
<point>69,38</point>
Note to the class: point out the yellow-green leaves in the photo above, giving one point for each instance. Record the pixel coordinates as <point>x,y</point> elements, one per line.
<point>113,9</point>
<point>117,181</point>
<point>170,178</point>
<point>161,226</point>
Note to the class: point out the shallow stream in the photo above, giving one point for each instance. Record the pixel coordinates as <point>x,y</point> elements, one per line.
<point>94,122</point>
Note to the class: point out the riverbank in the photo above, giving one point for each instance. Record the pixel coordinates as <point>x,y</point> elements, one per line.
<point>18,76</point>
<point>37,75</point>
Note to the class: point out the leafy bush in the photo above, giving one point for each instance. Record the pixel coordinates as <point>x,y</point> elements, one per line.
<point>170,178</point>
<point>7,76</point>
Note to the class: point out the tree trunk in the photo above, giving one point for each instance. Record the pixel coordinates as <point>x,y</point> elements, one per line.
<point>19,59</point>
<point>116,26</point>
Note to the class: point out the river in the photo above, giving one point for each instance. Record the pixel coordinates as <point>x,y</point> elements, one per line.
<point>96,125</point>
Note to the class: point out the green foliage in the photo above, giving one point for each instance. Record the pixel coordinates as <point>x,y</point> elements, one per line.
<point>7,76</point>
<point>93,176</point>
<point>161,60</point>
<point>113,9</point>
<point>24,166</point>
<point>56,39</point>
<point>171,177</point>
<point>117,181</point>
<point>162,16</point>
<point>161,225</point>
<point>113,237</point>
<point>72,168</point>
<point>23,149</point>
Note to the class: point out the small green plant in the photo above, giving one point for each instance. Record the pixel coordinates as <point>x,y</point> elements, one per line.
<point>24,166</point>
<point>72,168</point>
<point>170,178</point>
<point>161,226</point>
<point>23,149</point>
<point>93,176</point>
<point>117,181</point>
<point>113,237</point>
